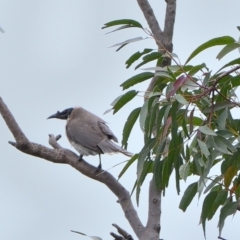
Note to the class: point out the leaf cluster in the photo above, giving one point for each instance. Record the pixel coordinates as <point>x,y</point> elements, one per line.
<point>188,126</point>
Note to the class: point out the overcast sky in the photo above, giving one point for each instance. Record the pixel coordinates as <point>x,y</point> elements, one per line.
<point>54,55</point>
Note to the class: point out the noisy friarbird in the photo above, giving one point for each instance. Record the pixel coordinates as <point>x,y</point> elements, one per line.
<point>88,133</point>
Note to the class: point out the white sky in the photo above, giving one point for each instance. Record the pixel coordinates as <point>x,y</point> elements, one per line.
<point>54,55</point>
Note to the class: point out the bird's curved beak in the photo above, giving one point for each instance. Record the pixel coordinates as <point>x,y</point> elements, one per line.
<point>56,115</point>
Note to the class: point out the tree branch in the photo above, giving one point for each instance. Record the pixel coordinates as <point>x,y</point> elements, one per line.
<point>163,38</point>
<point>123,234</point>
<point>169,24</point>
<point>154,212</point>
<point>62,155</point>
<point>151,20</point>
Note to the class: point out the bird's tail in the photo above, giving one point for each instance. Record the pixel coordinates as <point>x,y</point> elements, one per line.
<point>107,146</point>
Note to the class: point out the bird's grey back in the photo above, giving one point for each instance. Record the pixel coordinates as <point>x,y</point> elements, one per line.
<point>88,130</point>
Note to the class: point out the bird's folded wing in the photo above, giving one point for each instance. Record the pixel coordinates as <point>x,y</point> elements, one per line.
<point>107,131</point>
<point>85,135</point>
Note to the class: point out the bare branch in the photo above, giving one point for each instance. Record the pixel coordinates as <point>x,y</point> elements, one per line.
<point>53,141</point>
<point>163,38</point>
<point>151,19</point>
<point>11,123</point>
<point>154,210</point>
<point>62,155</point>
<point>124,234</point>
<point>169,23</point>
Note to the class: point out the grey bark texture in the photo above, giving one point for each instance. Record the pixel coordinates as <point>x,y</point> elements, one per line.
<point>163,39</point>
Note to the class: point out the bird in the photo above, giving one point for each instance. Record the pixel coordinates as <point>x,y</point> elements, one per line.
<point>89,134</point>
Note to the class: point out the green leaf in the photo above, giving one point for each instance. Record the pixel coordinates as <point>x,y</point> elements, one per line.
<point>157,173</point>
<point>211,43</point>
<point>233,62</point>
<point>188,196</point>
<point>128,22</point>
<point>128,164</point>
<point>146,169</point>
<point>228,48</point>
<point>219,200</point>
<point>226,143</point>
<point>143,155</point>
<point>213,183</point>
<point>184,171</point>
<point>207,208</point>
<point>220,145</point>
<point>218,106</point>
<point>136,56</point>
<point>136,79</point>
<point>124,99</point>
<point>133,116</point>
<point>203,148</point>
<point>227,209</point>
<point>143,115</point>
<point>149,125</point>
<point>206,130</point>
<point>174,127</point>
<point>181,99</point>
<point>177,165</point>
<point>196,68</point>
<point>235,81</point>
<point>148,58</point>
<point>124,43</point>
<point>92,237</point>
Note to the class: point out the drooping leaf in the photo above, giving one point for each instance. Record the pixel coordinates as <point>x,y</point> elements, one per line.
<point>203,147</point>
<point>92,237</point>
<point>157,173</point>
<point>149,125</point>
<point>230,173</point>
<point>177,165</point>
<point>124,43</point>
<point>228,48</point>
<point>146,169</point>
<point>213,183</point>
<point>220,144</point>
<point>211,43</point>
<point>143,155</point>
<point>206,130</point>
<point>148,58</point>
<point>219,200</point>
<point>196,68</point>
<point>218,106</point>
<point>136,79</point>
<point>188,196</point>
<point>136,56</point>
<point>128,96</point>
<point>228,209</point>
<point>207,209</point>
<point>143,115</point>
<point>184,171</point>
<point>191,125</point>
<point>233,62</point>
<point>128,164</point>
<point>176,85</point>
<point>133,116</point>
<point>181,99</point>
<point>226,143</point>
<point>128,22</point>
<point>235,81</point>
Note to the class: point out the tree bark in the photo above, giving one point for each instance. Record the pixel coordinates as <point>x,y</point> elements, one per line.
<point>65,156</point>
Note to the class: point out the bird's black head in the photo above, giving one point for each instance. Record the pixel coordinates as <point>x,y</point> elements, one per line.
<point>62,115</point>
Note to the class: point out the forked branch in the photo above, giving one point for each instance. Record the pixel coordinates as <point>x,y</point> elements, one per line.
<point>62,155</point>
